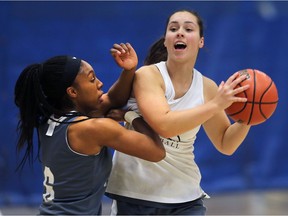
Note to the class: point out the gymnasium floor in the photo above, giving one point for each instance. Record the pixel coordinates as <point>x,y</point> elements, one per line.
<point>251,203</point>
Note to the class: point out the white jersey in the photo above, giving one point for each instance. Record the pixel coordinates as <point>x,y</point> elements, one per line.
<point>176,178</point>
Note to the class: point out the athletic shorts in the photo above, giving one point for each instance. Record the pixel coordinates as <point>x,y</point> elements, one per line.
<point>195,207</point>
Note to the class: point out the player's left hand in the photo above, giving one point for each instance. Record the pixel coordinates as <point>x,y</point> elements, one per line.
<point>125,56</point>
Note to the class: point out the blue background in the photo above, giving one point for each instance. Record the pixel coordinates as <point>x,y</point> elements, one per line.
<point>238,35</point>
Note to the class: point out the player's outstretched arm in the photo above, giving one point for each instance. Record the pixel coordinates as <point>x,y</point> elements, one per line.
<point>126,58</point>
<point>225,137</point>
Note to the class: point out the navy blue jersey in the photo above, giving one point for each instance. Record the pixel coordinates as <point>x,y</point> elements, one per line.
<point>74,183</point>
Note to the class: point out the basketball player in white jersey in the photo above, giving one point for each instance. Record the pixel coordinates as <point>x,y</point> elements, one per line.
<point>175,99</point>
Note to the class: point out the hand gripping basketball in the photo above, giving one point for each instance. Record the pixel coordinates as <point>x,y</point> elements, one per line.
<point>262,99</point>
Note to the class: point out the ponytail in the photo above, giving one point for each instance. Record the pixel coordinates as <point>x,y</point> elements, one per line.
<point>27,100</point>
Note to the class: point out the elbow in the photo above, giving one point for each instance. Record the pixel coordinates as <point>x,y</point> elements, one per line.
<point>160,155</point>
<point>165,132</point>
<point>168,134</point>
<point>162,124</point>
<point>225,149</point>
<point>227,152</point>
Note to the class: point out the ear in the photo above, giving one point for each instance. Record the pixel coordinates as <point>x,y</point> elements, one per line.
<point>71,92</point>
<point>201,42</point>
<point>164,43</point>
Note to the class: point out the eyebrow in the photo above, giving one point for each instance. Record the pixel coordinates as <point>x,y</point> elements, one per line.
<point>91,72</point>
<point>176,22</point>
<point>87,74</point>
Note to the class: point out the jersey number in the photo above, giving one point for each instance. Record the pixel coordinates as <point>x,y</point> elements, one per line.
<point>48,184</point>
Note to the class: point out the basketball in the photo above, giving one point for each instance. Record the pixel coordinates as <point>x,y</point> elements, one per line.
<point>262,99</point>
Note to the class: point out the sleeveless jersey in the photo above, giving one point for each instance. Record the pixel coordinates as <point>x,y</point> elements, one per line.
<point>74,183</point>
<point>176,178</point>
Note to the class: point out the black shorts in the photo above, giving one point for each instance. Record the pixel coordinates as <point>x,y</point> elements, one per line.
<point>195,207</point>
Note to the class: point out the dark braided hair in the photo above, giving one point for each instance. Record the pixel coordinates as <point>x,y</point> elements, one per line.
<point>40,91</point>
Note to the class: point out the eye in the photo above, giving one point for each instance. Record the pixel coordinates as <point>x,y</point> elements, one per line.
<point>93,78</point>
<point>173,28</point>
<point>189,28</point>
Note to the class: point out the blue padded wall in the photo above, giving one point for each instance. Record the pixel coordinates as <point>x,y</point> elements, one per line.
<point>238,35</point>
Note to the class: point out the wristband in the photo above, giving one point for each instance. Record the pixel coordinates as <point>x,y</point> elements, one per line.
<point>130,116</point>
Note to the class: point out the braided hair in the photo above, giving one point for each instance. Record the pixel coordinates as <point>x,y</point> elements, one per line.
<point>40,91</point>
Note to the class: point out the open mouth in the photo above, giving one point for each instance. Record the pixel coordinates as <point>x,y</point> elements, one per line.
<point>180,46</point>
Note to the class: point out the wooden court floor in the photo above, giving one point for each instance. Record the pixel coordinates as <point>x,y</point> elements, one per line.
<point>248,203</point>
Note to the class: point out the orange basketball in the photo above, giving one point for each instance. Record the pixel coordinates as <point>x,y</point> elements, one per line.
<point>262,98</point>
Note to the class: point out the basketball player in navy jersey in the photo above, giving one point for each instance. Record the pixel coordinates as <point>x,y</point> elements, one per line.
<point>62,99</point>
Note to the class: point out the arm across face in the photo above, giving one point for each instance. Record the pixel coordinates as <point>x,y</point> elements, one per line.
<point>125,57</point>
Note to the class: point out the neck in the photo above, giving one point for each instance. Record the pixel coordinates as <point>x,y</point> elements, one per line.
<point>180,72</point>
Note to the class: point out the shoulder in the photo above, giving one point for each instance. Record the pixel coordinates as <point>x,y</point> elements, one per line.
<point>92,125</point>
<point>148,74</point>
<point>147,69</point>
<point>88,136</point>
<point>90,130</point>
<point>210,88</point>
<point>209,82</point>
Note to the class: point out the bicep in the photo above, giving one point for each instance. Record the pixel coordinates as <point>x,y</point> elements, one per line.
<point>129,142</point>
<point>88,137</point>
<point>216,126</point>
<point>150,95</point>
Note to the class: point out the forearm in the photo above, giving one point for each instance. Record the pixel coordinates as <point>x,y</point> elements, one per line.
<point>120,91</point>
<point>233,137</point>
<point>141,126</point>
<point>173,123</point>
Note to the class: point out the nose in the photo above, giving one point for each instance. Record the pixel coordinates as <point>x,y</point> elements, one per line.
<point>181,31</point>
<point>99,84</point>
<point>180,34</point>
